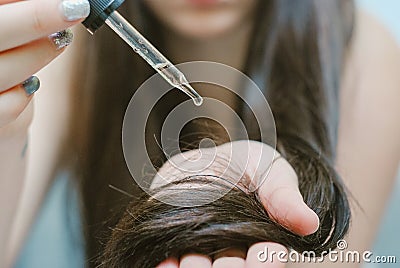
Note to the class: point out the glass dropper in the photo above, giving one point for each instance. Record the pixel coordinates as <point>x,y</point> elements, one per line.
<point>104,11</point>
<point>153,57</point>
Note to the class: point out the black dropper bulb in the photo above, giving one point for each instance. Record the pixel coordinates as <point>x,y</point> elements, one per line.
<point>100,10</point>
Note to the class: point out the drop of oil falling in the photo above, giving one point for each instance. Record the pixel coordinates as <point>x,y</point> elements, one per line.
<point>198,101</point>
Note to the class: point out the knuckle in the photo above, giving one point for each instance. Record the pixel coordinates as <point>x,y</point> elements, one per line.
<point>39,25</point>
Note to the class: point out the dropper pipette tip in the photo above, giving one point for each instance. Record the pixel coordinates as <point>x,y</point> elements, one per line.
<point>189,90</point>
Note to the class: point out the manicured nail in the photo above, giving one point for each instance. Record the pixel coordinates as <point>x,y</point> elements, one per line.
<point>31,85</point>
<point>75,9</point>
<point>62,39</point>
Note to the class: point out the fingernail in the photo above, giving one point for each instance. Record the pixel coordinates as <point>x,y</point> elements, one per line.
<point>31,85</point>
<point>62,39</point>
<point>75,9</point>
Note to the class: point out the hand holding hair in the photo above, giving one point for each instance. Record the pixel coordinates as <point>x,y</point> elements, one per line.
<point>279,194</point>
<point>152,231</point>
<point>302,88</point>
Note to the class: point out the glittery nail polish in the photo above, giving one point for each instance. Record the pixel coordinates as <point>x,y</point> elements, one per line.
<point>31,85</point>
<point>75,9</point>
<point>62,39</point>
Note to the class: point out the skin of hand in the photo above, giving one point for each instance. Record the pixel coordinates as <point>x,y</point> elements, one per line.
<point>279,194</point>
<point>31,36</point>
<point>28,44</point>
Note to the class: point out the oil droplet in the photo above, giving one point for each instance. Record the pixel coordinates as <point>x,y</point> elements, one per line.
<point>189,90</point>
<point>198,101</point>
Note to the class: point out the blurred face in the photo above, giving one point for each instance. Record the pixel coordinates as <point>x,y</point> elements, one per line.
<point>200,19</point>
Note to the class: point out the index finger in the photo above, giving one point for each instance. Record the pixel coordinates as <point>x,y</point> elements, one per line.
<point>30,20</point>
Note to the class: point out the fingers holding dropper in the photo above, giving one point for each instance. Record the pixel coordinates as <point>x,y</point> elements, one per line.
<point>31,20</point>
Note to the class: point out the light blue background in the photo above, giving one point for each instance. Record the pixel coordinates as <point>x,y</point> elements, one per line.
<point>387,11</point>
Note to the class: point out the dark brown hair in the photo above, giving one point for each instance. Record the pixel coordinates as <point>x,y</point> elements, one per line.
<point>151,231</point>
<point>298,47</point>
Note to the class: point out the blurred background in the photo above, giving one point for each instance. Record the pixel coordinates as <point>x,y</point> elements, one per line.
<point>387,242</point>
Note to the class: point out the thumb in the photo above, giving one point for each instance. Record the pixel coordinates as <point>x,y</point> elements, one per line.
<point>282,199</point>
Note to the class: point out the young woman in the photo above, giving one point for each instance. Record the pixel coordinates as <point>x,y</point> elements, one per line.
<point>342,64</point>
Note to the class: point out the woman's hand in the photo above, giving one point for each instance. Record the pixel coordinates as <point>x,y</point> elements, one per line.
<point>279,194</point>
<point>27,45</point>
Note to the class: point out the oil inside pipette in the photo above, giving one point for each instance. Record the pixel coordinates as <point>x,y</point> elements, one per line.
<point>171,73</point>
<point>151,55</point>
